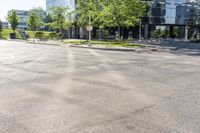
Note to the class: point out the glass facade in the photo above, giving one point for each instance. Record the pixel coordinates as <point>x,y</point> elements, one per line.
<point>179,12</point>
<point>70,3</point>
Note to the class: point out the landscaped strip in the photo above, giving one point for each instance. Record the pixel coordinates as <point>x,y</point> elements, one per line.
<point>108,43</point>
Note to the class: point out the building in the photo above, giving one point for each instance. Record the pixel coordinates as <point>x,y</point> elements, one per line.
<point>54,3</point>
<point>172,11</point>
<point>162,14</point>
<point>5,25</point>
<point>71,4</point>
<point>23,18</point>
<point>169,14</point>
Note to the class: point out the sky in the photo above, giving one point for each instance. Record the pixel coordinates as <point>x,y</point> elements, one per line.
<point>6,5</point>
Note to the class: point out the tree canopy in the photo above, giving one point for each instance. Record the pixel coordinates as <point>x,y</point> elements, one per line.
<point>110,13</point>
<point>88,9</point>
<point>13,20</point>
<point>40,12</point>
<point>34,21</point>
<point>61,18</point>
<point>1,29</point>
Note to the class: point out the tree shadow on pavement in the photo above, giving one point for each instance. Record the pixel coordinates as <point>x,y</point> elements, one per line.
<point>176,46</point>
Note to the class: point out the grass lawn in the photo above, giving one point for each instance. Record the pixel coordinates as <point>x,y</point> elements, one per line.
<point>110,43</point>
<point>6,34</point>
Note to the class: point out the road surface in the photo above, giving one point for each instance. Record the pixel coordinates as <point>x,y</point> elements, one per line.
<point>59,89</point>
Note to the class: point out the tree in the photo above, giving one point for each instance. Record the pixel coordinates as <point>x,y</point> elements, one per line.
<point>61,18</point>
<point>34,22</point>
<point>110,13</point>
<point>13,20</point>
<point>88,13</point>
<point>40,12</point>
<point>197,17</point>
<point>48,20</point>
<point>121,13</point>
<point>1,29</point>
<point>87,9</point>
<point>40,35</point>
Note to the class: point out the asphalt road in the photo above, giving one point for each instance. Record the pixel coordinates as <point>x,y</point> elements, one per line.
<point>59,89</point>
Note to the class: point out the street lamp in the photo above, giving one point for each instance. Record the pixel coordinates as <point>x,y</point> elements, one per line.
<point>140,31</point>
<point>90,27</point>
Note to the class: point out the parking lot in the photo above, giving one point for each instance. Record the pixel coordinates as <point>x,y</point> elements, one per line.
<point>60,89</point>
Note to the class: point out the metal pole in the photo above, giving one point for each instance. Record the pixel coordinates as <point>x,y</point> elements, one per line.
<point>90,34</point>
<point>140,31</point>
<point>186,32</point>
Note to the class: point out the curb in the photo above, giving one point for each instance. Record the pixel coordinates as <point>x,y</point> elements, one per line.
<point>52,44</point>
<point>104,48</point>
<point>30,42</point>
<point>16,40</point>
<point>145,49</point>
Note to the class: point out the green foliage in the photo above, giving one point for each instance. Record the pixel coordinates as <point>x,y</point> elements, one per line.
<point>39,35</point>
<point>40,13</point>
<point>13,19</point>
<point>31,35</point>
<point>61,18</point>
<point>46,36</point>
<point>6,34</point>
<point>1,29</point>
<point>178,32</point>
<point>109,43</point>
<point>86,9</point>
<point>110,13</point>
<point>34,21</point>
<point>156,33</point>
<point>60,36</point>
<point>118,13</point>
<point>113,13</point>
<point>53,35</point>
<point>195,41</point>
<point>48,19</point>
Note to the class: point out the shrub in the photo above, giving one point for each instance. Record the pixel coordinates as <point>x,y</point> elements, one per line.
<point>60,36</point>
<point>46,36</point>
<point>196,41</point>
<point>52,35</point>
<point>1,35</point>
<point>156,33</point>
<point>39,35</point>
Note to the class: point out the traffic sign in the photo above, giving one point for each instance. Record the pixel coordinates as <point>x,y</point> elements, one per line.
<point>89,28</point>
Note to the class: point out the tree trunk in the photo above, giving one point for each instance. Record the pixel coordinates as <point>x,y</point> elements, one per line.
<point>95,33</point>
<point>119,33</point>
<point>33,36</point>
<point>122,35</point>
<point>14,34</point>
<point>197,34</point>
<point>100,33</point>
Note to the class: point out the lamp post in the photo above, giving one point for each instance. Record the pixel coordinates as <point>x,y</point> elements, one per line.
<point>140,30</point>
<point>90,27</point>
